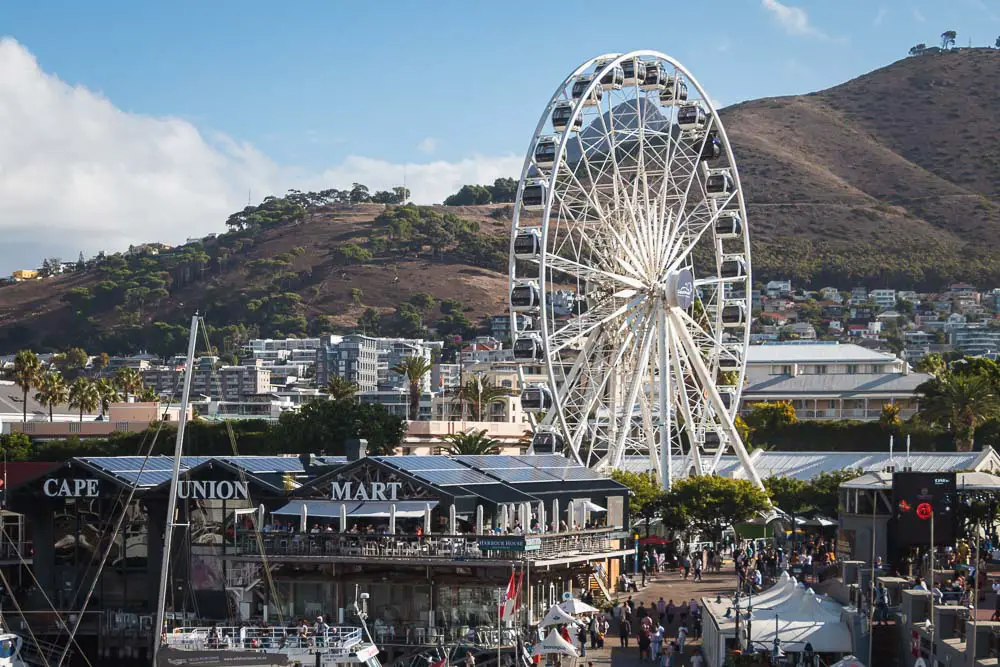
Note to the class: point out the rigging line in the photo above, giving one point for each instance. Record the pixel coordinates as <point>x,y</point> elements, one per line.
<point>62,623</point>
<point>122,492</point>
<point>265,566</point>
<point>34,639</point>
<point>114,535</point>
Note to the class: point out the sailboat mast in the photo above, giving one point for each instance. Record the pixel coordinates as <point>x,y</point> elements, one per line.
<point>161,601</point>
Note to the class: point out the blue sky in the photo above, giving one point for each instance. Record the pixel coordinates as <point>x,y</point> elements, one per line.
<point>129,121</point>
<point>317,80</point>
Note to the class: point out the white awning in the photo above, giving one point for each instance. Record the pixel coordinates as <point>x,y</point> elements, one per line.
<point>330,509</point>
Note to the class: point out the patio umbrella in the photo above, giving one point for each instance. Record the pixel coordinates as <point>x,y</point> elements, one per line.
<point>556,616</point>
<point>577,607</point>
<point>554,643</point>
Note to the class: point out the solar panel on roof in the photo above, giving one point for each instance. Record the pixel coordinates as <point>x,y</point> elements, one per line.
<point>265,464</point>
<point>415,463</point>
<point>453,477</point>
<point>483,462</point>
<point>116,463</point>
<point>546,461</point>
<point>520,475</point>
<point>574,474</point>
<point>146,477</point>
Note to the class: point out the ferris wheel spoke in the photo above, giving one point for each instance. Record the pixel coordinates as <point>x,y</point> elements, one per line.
<point>675,256</point>
<point>589,273</point>
<point>715,400</point>
<point>581,325</point>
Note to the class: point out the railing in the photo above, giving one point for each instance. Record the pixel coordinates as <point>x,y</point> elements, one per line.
<point>338,639</point>
<point>443,547</point>
<point>850,413</point>
<point>14,550</point>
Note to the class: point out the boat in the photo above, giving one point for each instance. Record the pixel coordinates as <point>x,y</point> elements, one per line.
<point>248,645</point>
<point>10,649</point>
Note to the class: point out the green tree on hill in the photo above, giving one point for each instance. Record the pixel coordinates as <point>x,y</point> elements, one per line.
<point>948,38</point>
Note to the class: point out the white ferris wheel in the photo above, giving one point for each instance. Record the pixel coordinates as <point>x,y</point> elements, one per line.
<point>630,271</point>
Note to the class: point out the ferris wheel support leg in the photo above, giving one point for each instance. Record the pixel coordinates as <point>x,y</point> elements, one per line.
<point>694,357</point>
<point>666,447</point>
<point>694,449</point>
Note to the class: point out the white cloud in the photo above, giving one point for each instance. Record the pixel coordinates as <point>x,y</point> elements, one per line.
<point>794,20</point>
<point>919,16</point>
<point>77,173</point>
<point>427,145</point>
<point>880,16</point>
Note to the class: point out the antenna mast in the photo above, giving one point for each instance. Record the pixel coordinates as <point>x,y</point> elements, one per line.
<point>172,501</point>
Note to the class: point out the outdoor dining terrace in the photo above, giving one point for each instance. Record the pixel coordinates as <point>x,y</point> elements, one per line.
<point>605,542</point>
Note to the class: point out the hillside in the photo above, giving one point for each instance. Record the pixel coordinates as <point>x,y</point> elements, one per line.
<point>891,179</point>
<point>309,271</point>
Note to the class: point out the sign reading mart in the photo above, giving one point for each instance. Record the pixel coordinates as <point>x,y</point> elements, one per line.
<point>509,543</point>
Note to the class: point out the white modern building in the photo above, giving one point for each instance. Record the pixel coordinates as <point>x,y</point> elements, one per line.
<point>885,299</point>
<point>830,380</point>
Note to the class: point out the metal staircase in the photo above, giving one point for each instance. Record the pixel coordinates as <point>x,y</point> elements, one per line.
<point>241,578</point>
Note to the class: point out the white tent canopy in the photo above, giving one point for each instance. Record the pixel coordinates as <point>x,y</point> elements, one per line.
<point>577,607</point>
<point>554,643</point>
<point>556,615</point>
<point>825,636</point>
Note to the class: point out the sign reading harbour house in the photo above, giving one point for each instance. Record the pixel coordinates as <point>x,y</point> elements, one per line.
<point>509,543</point>
<point>358,491</point>
<point>213,490</point>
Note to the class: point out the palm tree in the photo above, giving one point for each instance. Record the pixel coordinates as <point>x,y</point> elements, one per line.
<point>129,382</point>
<point>472,443</point>
<point>148,395</point>
<point>27,373</point>
<point>108,393</point>
<point>479,393</point>
<point>83,394</point>
<point>414,369</point>
<point>960,402</point>
<point>340,388</point>
<point>52,390</point>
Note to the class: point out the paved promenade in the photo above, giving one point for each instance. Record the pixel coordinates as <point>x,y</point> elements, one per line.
<point>672,587</point>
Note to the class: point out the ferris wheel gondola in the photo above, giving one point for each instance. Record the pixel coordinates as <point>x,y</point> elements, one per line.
<point>630,254</point>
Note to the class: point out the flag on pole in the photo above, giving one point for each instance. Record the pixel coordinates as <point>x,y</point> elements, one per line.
<point>508,599</point>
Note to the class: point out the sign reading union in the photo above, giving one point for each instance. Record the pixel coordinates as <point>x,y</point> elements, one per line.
<point>213,490</point>
<point>374,491</point>
<point>71,488</point>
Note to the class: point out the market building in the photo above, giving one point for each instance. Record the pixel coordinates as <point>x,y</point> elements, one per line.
<point>278,539</point>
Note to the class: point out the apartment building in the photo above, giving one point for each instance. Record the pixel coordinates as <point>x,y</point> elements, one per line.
<point>229,383</point>
<point>885,299</point>
<point>830,380</point>
<point>354,357</point>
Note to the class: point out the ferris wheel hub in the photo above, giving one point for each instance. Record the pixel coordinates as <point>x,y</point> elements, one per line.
<point>680,290</point>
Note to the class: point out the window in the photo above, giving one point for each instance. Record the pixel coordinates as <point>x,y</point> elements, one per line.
<point>852,369</point>
<point>820,369</point>
<point>876,368</point>
<point>785,370</point>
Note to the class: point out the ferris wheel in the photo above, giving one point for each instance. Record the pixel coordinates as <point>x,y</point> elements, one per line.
<point>630,271</point>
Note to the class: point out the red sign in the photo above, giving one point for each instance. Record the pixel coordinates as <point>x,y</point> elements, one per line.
<point>924,511</point>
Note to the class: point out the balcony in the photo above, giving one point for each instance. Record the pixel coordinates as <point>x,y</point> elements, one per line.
<point>575,546</point>
<point>849,413</point>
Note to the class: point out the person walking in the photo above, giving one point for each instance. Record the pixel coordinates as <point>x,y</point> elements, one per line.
<point>593,631</point>
<point>624,631</point>
<point>581,636</point>
<point>697,569</point>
